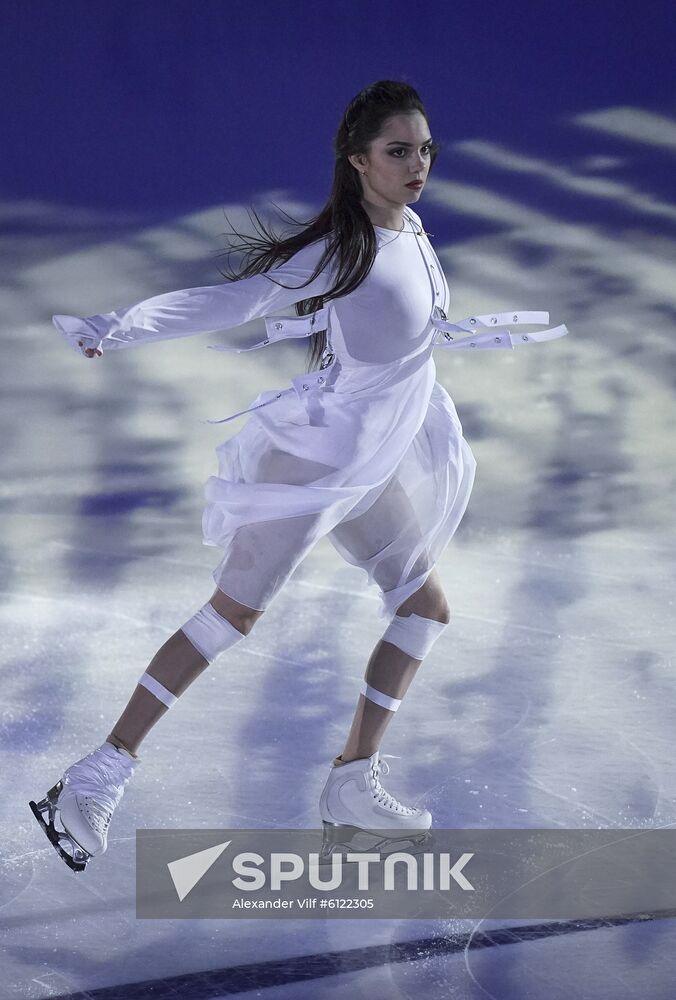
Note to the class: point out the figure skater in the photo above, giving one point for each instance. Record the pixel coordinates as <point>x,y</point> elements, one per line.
<point>365,448</point>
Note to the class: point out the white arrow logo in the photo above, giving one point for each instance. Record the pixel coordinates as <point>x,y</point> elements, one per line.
<point>186,872</point>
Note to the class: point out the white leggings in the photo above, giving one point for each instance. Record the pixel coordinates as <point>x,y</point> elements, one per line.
<point>263,555</point>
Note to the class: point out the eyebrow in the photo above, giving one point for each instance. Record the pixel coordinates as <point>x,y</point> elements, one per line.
<point>425,143</point>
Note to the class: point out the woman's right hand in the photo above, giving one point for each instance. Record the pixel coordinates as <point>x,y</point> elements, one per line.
<point>80,334</point>
<point>90,352</point>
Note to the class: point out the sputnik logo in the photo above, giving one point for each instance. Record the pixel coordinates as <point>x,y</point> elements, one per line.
<point>186,872</point>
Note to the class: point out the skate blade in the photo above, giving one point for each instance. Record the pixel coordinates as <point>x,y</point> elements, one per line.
<point>77,861</point>
<point>338,838</point>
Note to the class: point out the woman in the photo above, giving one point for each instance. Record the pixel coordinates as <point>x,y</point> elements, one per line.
<point>366,449</point>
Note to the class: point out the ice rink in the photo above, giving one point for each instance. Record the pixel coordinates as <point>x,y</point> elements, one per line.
<point>550,701</point>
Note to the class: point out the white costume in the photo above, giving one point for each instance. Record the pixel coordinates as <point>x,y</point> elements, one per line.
<point>368,450</point>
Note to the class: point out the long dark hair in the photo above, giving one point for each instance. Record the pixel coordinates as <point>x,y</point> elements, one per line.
<point>343,217</point>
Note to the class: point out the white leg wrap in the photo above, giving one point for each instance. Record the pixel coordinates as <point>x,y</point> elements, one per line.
<point>414,634</point>
<point>211,633</point>
<point>159,690</point>
<point>380,698</point>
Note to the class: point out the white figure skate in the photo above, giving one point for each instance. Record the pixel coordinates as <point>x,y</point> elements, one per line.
<point>353,796</point>
<point>83,802</point>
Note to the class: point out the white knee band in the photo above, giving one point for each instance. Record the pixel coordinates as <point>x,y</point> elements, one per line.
<point>161,693</point>
<point>211,633</point>
<point>380,698</point>
<point>414,634</point>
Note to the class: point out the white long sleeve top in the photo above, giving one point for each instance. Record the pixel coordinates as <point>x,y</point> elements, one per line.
<point>391,321</point>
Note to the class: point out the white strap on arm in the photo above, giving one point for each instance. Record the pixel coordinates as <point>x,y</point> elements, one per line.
<point>503,340</point>
<point>283,328</point>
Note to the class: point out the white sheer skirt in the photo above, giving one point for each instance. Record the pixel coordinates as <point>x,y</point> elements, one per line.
<point>387,479</point>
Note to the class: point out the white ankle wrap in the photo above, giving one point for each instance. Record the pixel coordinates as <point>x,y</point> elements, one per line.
<point>211,633</point>
<point>161,693</point>
<point>414,634</point>
<point>380,698</point>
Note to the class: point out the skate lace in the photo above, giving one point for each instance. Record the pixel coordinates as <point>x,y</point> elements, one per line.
<point>102,784</point>
<point>381,796</point>
<point>100,814</point>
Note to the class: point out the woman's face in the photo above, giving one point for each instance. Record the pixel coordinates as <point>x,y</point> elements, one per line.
<point>399,155</point>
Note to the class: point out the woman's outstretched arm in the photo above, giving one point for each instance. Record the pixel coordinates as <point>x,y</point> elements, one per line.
<point>206,309</point>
